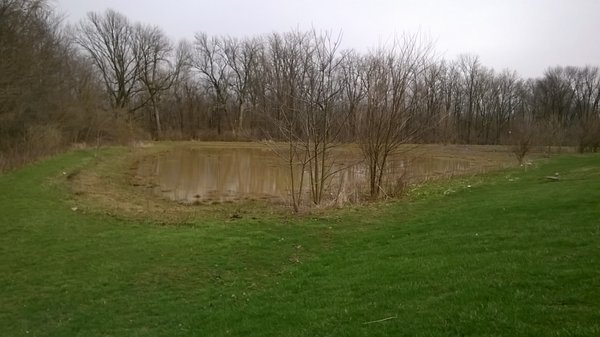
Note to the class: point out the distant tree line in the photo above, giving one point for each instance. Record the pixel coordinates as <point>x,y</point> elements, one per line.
<point>107,79</point>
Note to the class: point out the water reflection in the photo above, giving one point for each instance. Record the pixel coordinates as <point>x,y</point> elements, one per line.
<point>221,175</point>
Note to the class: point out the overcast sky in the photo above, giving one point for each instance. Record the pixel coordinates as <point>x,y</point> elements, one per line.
<point>523,35</point>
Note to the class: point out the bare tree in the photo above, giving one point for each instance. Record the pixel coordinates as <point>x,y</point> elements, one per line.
<point>352,69</point>
<point>108,40</point>
<point>586,109</point>
<point>321,92</point>
<point>285,71</point>
<point>305,89</point>
<point>506,99</point>
<point>470,69</point>
<point>522,135</point>
<point>385,119</point>
<point>242,59</point>
<point>159,66</point>
<point>210,60</point>
<point>432,114</point>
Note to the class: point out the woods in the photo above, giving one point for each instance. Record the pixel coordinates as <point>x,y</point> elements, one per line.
<point>106,79</point>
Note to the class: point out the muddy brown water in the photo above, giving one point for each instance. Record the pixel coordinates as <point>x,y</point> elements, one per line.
<point>208,175</point>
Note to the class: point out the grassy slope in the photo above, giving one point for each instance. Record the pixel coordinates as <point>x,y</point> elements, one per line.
<point>512,255</point>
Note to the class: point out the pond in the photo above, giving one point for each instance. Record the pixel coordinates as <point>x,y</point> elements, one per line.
<point>213,174</point>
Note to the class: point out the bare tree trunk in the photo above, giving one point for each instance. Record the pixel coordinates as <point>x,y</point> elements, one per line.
<point>157,119</point>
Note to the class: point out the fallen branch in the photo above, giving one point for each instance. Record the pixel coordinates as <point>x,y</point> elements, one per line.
<point>381,320</point>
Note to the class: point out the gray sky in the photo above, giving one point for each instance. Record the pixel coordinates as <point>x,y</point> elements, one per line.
<point>523,35</point>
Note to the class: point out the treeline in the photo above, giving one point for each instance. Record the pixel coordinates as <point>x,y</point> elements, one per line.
<point>50,95</point>
<point>106,79</point>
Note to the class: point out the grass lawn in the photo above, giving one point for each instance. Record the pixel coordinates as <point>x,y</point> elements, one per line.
<point>512,255</point>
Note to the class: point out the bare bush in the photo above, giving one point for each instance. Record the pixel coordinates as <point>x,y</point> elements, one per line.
<point>522,136</point>
<point>385,118</point>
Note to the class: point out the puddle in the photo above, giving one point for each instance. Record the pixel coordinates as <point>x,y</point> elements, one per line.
<point>209,175</point>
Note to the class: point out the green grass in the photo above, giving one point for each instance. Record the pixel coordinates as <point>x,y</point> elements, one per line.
<point>512,255</point>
